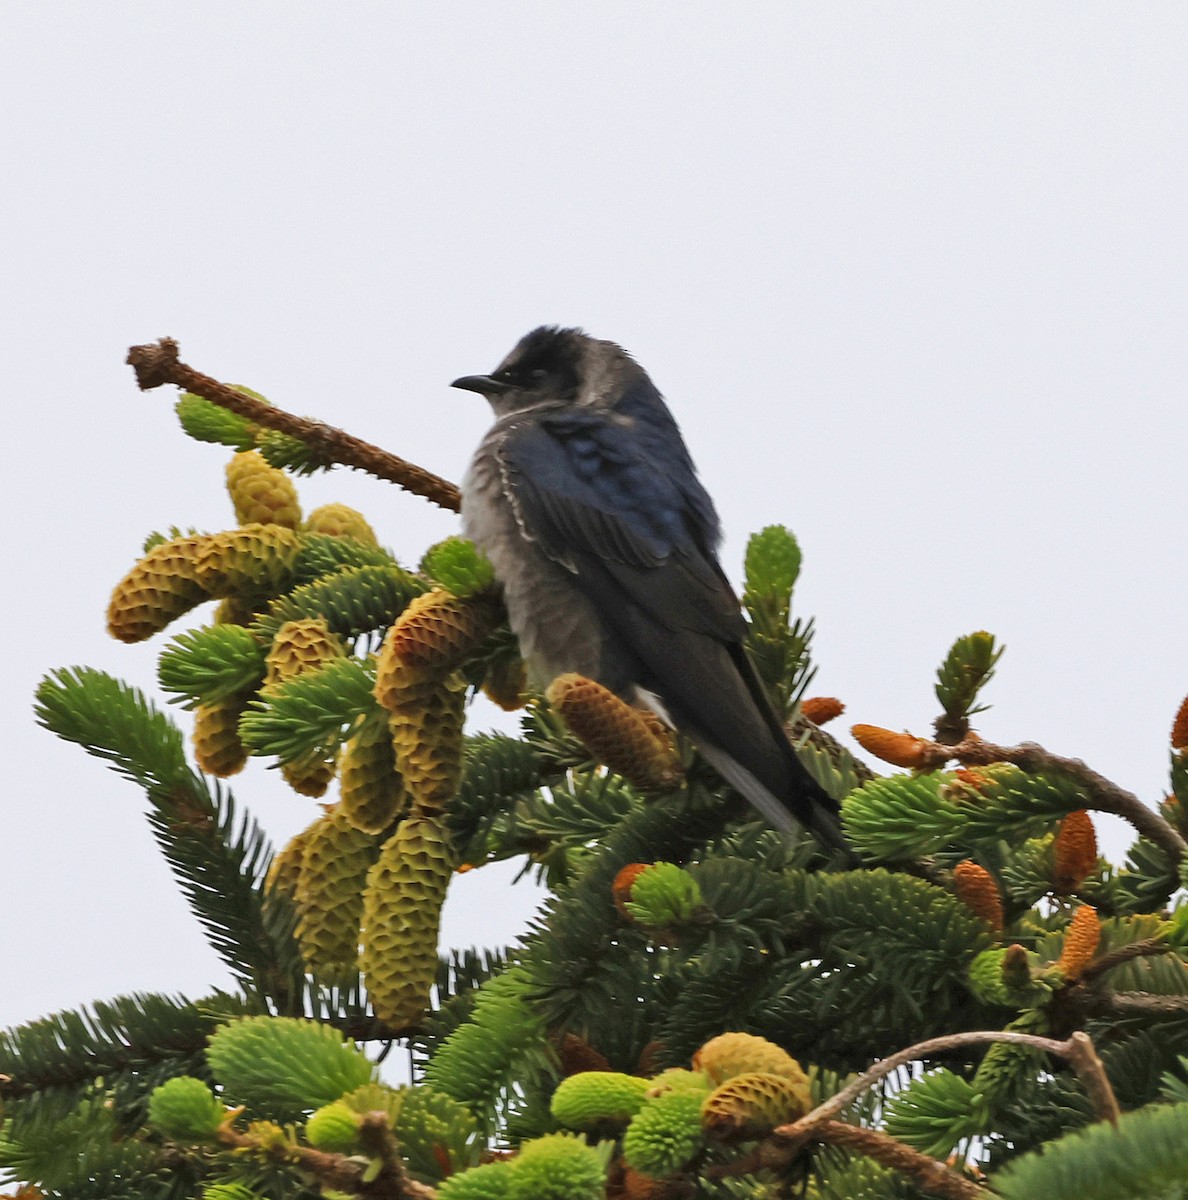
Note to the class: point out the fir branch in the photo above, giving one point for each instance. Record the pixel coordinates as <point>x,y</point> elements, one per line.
<point>1102,794</point>
<point>1140,1004</point>
<point>928,1173</point>
<point>218,857</point>
<point>1077,1050</point>
<point>777,1150</point>
<point>341,1172</point>
<point>310,714</point>
<point>158,364</point>
<point>1147,948</point>
<point>72,1048</point>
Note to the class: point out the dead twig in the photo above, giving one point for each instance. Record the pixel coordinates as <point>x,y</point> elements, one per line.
<point>158,363</point>
<point>1102,794</point>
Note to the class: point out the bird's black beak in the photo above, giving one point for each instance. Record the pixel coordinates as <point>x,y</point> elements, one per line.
<point>485,385</point>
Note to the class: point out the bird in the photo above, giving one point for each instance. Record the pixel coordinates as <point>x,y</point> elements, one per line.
<point>587,503</point>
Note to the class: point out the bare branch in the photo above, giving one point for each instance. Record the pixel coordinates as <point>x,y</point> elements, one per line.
<point>158,363</point>
<point>1103,795</point>
<point>930,1174</point>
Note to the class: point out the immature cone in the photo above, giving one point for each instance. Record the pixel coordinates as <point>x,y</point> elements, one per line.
<point>284,872</point>
<point>616,734</point>
<point>437,631</point>
<point>426,717</point>
<point>820,709</point>
<point>1074,853</point>
<point>753,1104</point>
<point>594,1098</point>
<point>401,912</point>
<point>256,560</point>
<point>371,792</point>
<point>299,647</point>
<point>1179,732</point>
<point>898,749</point>
<point>334,870</point>
<point>161,587</point>
<point>977,890</point>
<point>217,748</point>
<point>260,493</point>
<point>575,1055</point>
<point>665,1134</point>
<point>506,683</point>
<point>731,1054</point>
<point>1080,942</point>
<point>624,882</point>
<point>340,520</point>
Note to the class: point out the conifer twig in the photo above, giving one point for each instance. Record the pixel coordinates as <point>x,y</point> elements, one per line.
<point>1072,1050</point>
<point>1146,948</point>
<point>1103,794</point>
<point>158,363</point>
<point>340,1171</point>
<point>929,1173</point>
<point>784,1142</point>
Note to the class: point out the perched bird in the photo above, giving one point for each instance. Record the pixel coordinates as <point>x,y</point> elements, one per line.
<point>586,501</point>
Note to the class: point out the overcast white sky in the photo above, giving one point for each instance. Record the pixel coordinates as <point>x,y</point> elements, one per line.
<point>913,277</point>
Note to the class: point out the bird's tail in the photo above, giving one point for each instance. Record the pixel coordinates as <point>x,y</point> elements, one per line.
<point>801,803</point>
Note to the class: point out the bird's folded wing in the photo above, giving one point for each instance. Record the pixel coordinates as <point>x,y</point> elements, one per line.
<point>631,530</point>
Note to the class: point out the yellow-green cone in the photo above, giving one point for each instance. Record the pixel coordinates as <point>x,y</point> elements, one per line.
<point>161,587</point>
<point>340,520</point>
<point>284,872</point>
<point>256,560</point>
<point>261,494</point>
<point>731,1054</point>
<point>371,791</point>
<point>334,868</point>
<point>753,1104</point>
<point>427,713</point>
<point>217,748</point>
<point>437,631</point>
<point>301,646</point>
<point>401,913</point>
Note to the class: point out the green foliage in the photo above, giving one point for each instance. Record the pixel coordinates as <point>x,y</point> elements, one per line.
<point>353,601</point>
<point>311,714</point>
<point>967,668</point>
<point>900,817</point>
<point>557,1167</point>
<point>55,1059</point>
<point>333,1127</point>
<point>323,554</point>
<point>772,566</point>
<point>79,1148</point>
<point>936,1112</point>
<point>203,666</point>
<point>665,1135</point>
<point>437,1135</point>
<point>589,1099</point>
<point>778,647</point>
<point>458,567</point>
<point>491,1181</point>
<point>207,422</point>
<point>664,895</point>
<point>290,453</point>
<point>477,1061</point>
<point>1145,1157</point>
<point>219,859</point>
<point>283,1067</point>
<point>185,1108</point>
<point>733,928</point>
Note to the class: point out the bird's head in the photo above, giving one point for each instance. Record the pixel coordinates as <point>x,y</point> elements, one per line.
<point>554,367</point>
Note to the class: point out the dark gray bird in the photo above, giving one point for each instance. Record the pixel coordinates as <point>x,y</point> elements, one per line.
<point>586,501</point>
